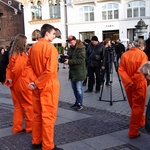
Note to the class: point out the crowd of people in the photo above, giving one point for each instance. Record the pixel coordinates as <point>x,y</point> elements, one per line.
<point>100,57</point>
<point>32,76</point>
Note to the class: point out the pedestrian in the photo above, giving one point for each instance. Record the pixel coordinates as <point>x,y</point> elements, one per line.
<point>65,51</point>
<point>94,57</point>
<point>109,59</point>
<point>145,70</point>
<point>86,43</point>
<point>77,69</point>
<point>17,79</point>
<point>135,85</point>
<point>147,48</point>
<point>120,49</point>
<point>43,69</point>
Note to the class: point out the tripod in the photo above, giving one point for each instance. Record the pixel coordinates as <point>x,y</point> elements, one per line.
<point>111,61</point>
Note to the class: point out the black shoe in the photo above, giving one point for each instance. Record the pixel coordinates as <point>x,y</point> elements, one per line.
<point>97,91</point>
<point>79,107</point>
<point>87,91</point>
<point>107,84</point>
<point>36,146</point>
<point>57,148</point>
<point>74,106</point>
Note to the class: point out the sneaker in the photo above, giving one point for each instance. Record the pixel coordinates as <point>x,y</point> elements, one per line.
<point>57,148</point>
<point>36,146</point>
<point>79,107</point>
<point>74,105</point>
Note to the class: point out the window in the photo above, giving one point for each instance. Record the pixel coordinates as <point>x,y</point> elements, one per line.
<point>54,8</point>
<point>135,9</point>
<point>36,11</point>
<point>110,11</point>
<point>86,13</point>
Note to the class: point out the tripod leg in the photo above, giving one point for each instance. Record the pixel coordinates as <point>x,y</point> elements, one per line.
<point>116,68</point>
<point>111,101</point>
<point>101,92</point>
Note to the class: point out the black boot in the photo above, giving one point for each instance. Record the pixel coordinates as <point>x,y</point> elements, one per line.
<point>57,148</point>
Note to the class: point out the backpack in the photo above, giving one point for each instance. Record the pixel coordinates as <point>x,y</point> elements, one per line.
<point>4,60</point>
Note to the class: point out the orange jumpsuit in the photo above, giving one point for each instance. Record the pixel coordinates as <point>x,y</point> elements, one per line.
<point>129,71</point>
<point>43,69</point>
<point>21,93</point>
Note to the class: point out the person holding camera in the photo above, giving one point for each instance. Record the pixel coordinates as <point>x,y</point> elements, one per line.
<point>77,69</point>
<point>94,57</point>
<point>109,59</point>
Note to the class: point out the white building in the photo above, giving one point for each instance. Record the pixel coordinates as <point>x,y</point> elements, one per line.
<point>115,19</point>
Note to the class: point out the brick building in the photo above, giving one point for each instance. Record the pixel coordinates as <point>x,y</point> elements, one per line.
<point>11,21</point>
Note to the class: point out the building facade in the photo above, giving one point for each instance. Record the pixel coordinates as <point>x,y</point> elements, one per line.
<point>11,21</point>
<point>116,19</point>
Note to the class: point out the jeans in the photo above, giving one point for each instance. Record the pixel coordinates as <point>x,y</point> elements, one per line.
<point>78,91</point>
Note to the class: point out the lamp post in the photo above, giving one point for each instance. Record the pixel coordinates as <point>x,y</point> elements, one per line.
<point>141,29</point>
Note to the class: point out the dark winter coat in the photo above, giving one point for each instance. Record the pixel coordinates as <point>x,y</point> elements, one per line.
<point>77,68</point>
<point>147,49</point>
<point>94,55</point>
<point>119,48</point>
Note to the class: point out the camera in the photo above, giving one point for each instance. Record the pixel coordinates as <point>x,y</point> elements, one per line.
<point>110,48</point>
<point>62,58</point>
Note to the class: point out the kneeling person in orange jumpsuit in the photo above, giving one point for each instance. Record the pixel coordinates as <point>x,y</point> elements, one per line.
<point>135,85</point>
<point>43,70</point>
<point>17,79</point>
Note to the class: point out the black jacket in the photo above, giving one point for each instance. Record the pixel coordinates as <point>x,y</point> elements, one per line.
<point>95,55</point>
<point>119,48</point>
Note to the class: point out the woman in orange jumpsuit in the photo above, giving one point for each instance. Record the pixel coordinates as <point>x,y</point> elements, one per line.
<point>43,70</point>
<point>135,85</point>
<point>17,80</point>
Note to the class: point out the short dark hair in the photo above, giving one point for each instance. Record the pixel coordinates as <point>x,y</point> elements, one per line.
<point>46,28</point>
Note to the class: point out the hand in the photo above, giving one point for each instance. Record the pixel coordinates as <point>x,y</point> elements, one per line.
<point>32,86</point>
<point>102,67</point>
<point>66,62</point>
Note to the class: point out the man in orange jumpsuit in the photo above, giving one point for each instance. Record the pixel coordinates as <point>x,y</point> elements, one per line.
<point>135,85</point>
<point>17,79</point>
<point>43,69</point>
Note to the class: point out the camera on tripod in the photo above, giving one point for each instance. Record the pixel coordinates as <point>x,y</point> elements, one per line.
<point>62,58</point>
<point>110,49</point>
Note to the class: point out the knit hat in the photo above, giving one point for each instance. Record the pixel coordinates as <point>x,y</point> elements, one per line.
<point>94,38</point>
<point>70,38</point>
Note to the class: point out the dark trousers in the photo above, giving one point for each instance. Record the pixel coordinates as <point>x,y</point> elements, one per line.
<point>147,123</point>
<point>94,75</point>
<point>106,73</point>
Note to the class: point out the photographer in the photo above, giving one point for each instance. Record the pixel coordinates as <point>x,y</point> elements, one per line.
<point>109,59</point>
<point>77,69</point>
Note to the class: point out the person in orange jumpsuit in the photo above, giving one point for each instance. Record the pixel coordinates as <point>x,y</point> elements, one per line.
<point>135,85</point>
<point>17,79</point>
<point>43,70</point>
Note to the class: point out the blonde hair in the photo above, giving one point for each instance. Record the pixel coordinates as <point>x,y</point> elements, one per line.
<point>140,42</point>
<point>145,68</point>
